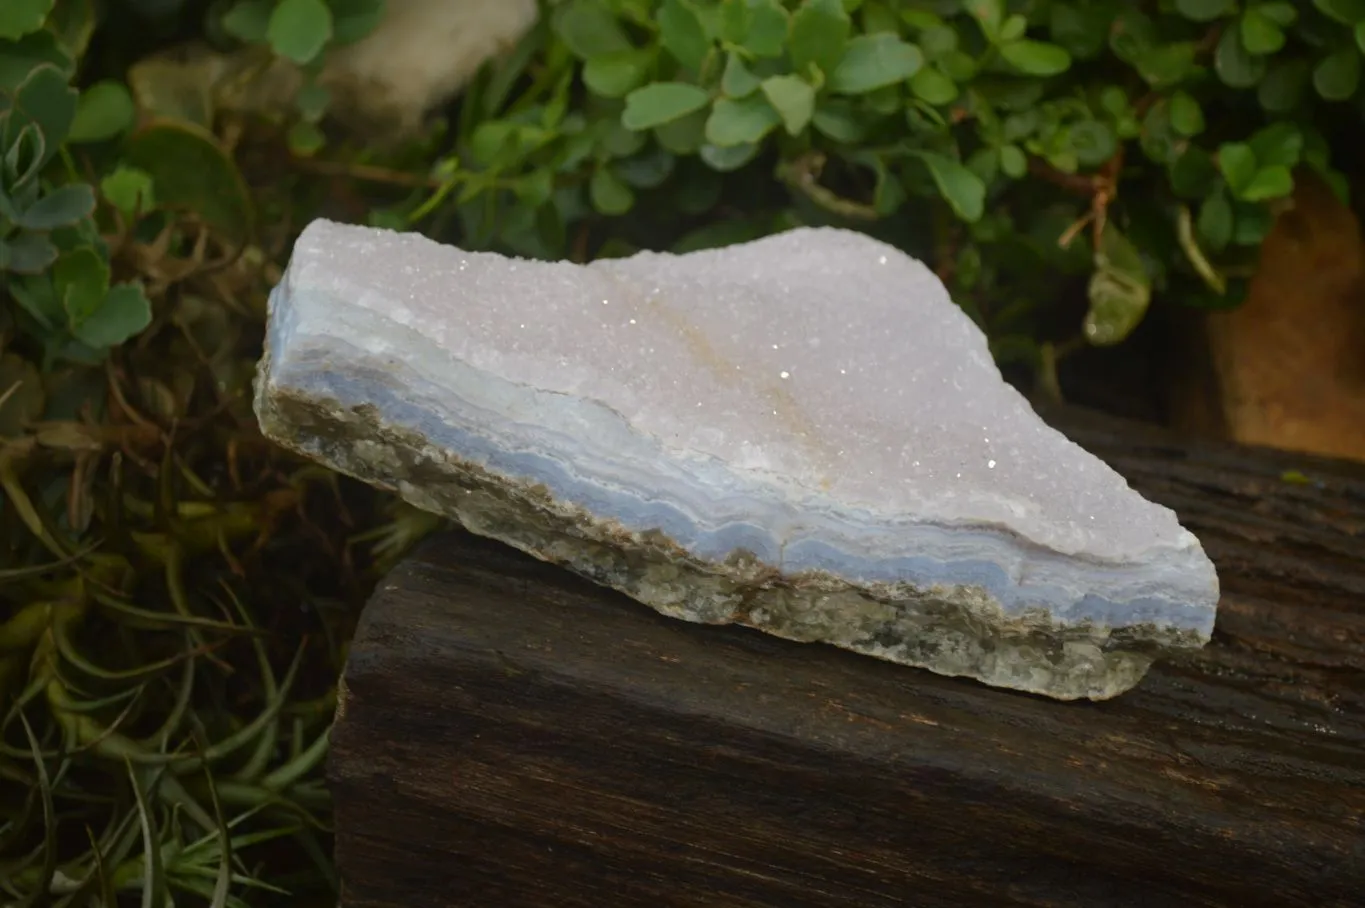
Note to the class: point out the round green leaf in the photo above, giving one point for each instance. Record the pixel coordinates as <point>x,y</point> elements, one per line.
<point>1093,142</point>
<point>191,171</point>
<point>819,31</point>
<point>661,102</point>
<point>1013,161</point>
<point>103,110</point>
<point>22,17</point>
<point>932,86</point>
<point>1259,34</point>
<point>609,195</point>
<point>124,313</point>
<point>1269,183</point>
<point>1120,290</point>
<point>794,100</point>
<point>1215,221</point>
<point>1282,88</point>
<point>742,122</point>
<point>1337,75</point>
<point>81,279</point>
<point>130,190</point>
<point>729,158</point>
<point>682,34</point>
<point>1237,162</point>
<point>299,29</point>
<point>1036,58</point>
<point>248,20</point>
<point>616,75</point>
<point>768,22</point>
<point>1186,116</point>
<point>1279,144</point>
<point>1234,65</point>
<point>589,29</point>
<point>874,61</point>
<point>961,189</point>
<point>1203,10</point>
<point>738,81</point>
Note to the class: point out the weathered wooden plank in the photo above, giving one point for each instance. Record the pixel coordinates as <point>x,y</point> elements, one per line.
<point>513,736</point>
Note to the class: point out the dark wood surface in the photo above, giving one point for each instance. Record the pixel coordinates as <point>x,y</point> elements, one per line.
<point>511,736</point>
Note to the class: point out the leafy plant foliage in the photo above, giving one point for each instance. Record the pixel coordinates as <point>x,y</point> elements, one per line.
<point>172,606</point>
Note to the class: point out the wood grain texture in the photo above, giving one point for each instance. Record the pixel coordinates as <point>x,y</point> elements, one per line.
<point>513,736</point>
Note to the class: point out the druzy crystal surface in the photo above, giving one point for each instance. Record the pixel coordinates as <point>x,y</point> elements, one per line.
<point>802,434</point>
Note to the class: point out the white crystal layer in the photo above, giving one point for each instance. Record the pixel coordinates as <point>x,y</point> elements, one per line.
<point>813,398</point>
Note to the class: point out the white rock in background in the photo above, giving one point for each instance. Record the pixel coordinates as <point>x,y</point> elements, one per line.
<point>420,55</point>
<point>802,434</point>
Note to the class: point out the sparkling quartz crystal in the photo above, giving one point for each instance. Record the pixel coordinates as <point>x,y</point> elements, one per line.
<point>802,434</point>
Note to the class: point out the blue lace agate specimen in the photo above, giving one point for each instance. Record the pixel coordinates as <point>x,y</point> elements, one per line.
<point>802,434</point>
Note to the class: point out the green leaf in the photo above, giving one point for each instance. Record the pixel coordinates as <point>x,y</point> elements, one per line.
<point>730,158</point>
<point>609,195</point>
<point>1166,65</point>
<point>1193,173</point>
<point>685,135</point>
<point>794,100</point>
<point>1234,65</point>
<point>1120,290</point>
<point>1215,221</point>
<point>839,120</point>
<point>1279,144</point>
<point>248,20</point>
<point>963,190</point>
<point>1237,162</point>
<point>22,17</point>
<point>1092,141</point>
<point>1283,86</point>
<point>130,190</point>
<point>1347,12</point>
<point>616,75</point>
<point>1013,161</point>
<point>1269,183</point>
<point>1204,10</point>
<point>589,29</point>
<point>682,35</point>
<point>61,207</point>
<point>124,313</point>
<point>1259,34</point>
<point>990,15</point>
<point>874,61</point>
<point>299,29</point>
<point>1281,12</point>
<point>738,81</point>
<point>742,122</point>
<point>354,19</point>
<point>819,32</point>
<point>1036,58</point>
<point>191,171</point>
<point>768,23</point>
<point>661,102</point>
<point>103,110</point>
<point>932,86</point>
<point>1337,75</point>
<point>81,279</point>
<point>26,253</point>
<point>1360,36</point>
<point>1082,30</point>
<point>1186,116</point>
<point>1013,28</point>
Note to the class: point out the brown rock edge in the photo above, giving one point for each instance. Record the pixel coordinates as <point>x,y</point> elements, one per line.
<point>510,735</point>
<point>1286,368</point>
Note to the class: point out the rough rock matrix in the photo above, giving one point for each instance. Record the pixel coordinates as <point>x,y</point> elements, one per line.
<point>802,434</point>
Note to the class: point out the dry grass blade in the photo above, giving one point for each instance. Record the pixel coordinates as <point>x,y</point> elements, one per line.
<point>154,891</point>
<point>40,895</point>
